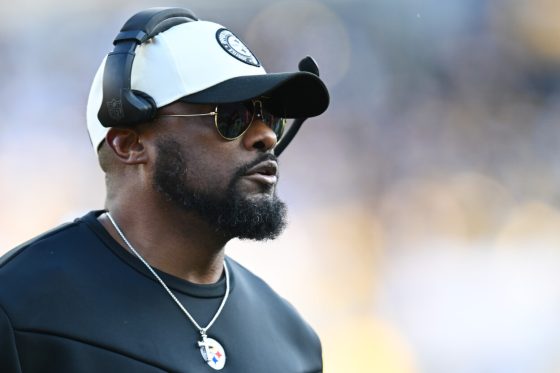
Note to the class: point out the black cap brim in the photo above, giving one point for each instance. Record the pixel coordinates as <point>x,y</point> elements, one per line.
<point>291,95</point>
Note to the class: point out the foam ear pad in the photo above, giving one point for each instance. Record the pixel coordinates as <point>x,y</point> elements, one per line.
<point>121,106</point>
<point>150,108</point>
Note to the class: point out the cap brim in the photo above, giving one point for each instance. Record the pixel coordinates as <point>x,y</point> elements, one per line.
<point>291,95</point>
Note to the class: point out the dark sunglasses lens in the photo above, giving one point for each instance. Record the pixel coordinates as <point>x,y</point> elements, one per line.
<point>276,124</point>
<point>233,119</point>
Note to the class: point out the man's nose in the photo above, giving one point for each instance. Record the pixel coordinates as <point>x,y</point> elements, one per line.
<point>259,136</point>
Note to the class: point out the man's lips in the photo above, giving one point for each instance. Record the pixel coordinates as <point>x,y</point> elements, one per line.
<point>265,172</point>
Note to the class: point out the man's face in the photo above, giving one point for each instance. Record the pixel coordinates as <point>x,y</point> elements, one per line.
<point>229,184</point>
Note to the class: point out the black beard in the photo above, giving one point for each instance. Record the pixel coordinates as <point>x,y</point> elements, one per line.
<point>231,214</point>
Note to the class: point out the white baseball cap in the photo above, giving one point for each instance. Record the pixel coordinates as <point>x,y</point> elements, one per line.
<point>203,62</point>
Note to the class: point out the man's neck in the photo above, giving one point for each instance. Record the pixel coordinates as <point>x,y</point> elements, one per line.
<point>178,244</point>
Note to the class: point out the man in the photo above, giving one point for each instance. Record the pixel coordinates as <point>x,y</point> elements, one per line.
<point>185,121</point>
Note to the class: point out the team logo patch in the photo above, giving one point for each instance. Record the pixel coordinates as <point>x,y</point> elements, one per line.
<point>213,352</point>
<point>235,47</point>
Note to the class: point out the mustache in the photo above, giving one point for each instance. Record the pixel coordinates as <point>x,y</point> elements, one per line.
<point>242,170</point>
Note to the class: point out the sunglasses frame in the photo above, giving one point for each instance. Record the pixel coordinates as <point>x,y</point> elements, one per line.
<point>215,114</point>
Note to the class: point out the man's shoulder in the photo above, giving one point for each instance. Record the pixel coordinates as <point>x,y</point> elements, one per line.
<point>250,282</point>
<point>43,273</point>
<point>275,315</point>
<point>34,251</point>
<point>261,295</point>
<point>26,268</point>
<point>43,240</point>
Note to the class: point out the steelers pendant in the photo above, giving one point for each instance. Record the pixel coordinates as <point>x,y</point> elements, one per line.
<point>212,352</point>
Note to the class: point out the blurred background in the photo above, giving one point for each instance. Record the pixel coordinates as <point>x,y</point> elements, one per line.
<point>424,204</point>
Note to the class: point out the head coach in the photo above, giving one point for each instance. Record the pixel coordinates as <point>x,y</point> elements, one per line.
<point>186,123</point>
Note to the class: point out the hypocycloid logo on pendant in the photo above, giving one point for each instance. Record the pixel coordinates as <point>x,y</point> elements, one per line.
<point>235,47</point>
<point>213,352</point>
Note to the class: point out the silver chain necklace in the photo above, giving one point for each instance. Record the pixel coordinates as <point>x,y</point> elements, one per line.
<point>211,350</point>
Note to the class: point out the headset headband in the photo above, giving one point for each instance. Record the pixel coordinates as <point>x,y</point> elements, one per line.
<point>121,106</point>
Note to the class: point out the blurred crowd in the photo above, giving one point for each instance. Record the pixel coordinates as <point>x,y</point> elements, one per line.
<point>424,204</point>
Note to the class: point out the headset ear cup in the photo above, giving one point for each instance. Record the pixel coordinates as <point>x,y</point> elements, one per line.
<point>121,106</point>
<point>149,108</point>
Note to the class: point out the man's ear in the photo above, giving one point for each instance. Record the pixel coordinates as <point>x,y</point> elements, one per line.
<point>127,145</point>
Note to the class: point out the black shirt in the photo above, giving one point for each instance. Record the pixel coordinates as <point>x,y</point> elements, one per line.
<point>73,300</point>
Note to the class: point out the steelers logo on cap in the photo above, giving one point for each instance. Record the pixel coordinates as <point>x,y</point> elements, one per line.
<point>235,47</point>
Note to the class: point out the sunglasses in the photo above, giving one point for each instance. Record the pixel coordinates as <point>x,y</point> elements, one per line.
<point>233,120</point>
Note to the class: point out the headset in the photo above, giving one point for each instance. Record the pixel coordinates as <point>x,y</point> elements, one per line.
<point>124,107</point>
<point>121,106</point>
